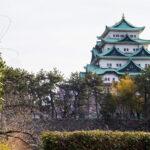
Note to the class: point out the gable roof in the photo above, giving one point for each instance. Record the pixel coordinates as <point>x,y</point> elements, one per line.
<point>122,25</point>
<point>124,40</point>
<point>130,67</point>
<point>142,52</point>
<point>113,52</point>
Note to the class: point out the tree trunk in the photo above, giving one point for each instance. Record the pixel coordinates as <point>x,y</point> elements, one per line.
<point>53,111</point>
<point>145,104</point>
<point>75,107</point>
<point>96,106</point>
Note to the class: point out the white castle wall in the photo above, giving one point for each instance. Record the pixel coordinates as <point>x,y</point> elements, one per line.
<point>131,48</point>
<point>118,35</point>
<point>110,77</point>
<point>103,63</point>
<point>142,63</point>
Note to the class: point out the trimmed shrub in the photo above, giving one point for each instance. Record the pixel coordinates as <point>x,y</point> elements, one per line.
<point>96,140</point>
<point>4,146</point>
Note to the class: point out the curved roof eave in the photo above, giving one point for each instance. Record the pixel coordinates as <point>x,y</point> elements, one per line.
<point>138,29</point>
<point>122,25</point>
<point>102,71</point>
<point>124,40</point>
<point>104,33</point>
<point>130,61</point>
<point>123,22</point>
<point>138,52</point>
<point>108,29</point>
<point>122,55</point>
<point>113,49</point>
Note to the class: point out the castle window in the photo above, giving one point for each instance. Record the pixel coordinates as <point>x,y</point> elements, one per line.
<point>134,49</point>
<point>135,36</point>
<point>122,35</point>
<point>147,65</point>
<point>113,79</point>
<point>131,36</point>
<point>126,49</point>
<point>113,35</point>
<point>117,35</point>
<point>107,79</point>
<point>118,65</point>
<point>109,65</point>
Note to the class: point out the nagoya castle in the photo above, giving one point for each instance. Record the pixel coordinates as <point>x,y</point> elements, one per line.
<point>119,51</point>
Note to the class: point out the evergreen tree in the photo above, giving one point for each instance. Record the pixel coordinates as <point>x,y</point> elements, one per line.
<point>143,84</point>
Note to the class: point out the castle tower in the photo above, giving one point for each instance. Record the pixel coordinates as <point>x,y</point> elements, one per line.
<point>119,51</point>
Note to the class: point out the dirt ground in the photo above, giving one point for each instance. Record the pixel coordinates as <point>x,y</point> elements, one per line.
<point>17,142</point>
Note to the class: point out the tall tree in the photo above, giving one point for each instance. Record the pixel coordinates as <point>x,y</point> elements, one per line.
<point>143,84</point>
<point>125,93</point>
<point>108,107</point>
<point>17,86</point>
<point>2,67</point>
<point>65,100</point>
<point>46,89</point>
<point>79,90</point>
<point>2,75</point>
<point>96,88</point>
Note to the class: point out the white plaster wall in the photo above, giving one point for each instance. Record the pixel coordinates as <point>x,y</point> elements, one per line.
<point>111,33</point>
<point>111,77</point>
<point>103,63</point>
<point>142,62</point>
<point>121,47</point>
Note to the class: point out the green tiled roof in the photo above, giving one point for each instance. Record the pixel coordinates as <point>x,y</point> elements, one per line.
<point>130,65</point>
<point>97,70</point>
<point>82,74</point>
<point>117,54</point>
<point>113,52</point>
<point>142,53</point>
<point>119,71</point>
<point>110,53</point>
<point>99,43</point>
<point>126,39</point>
<point>122,25</point>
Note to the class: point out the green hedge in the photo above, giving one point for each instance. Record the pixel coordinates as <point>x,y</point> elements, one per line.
<point>4,146</point>
<point>96,140</point>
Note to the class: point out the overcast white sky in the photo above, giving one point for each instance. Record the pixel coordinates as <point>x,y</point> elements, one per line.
<point>61,33</point>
